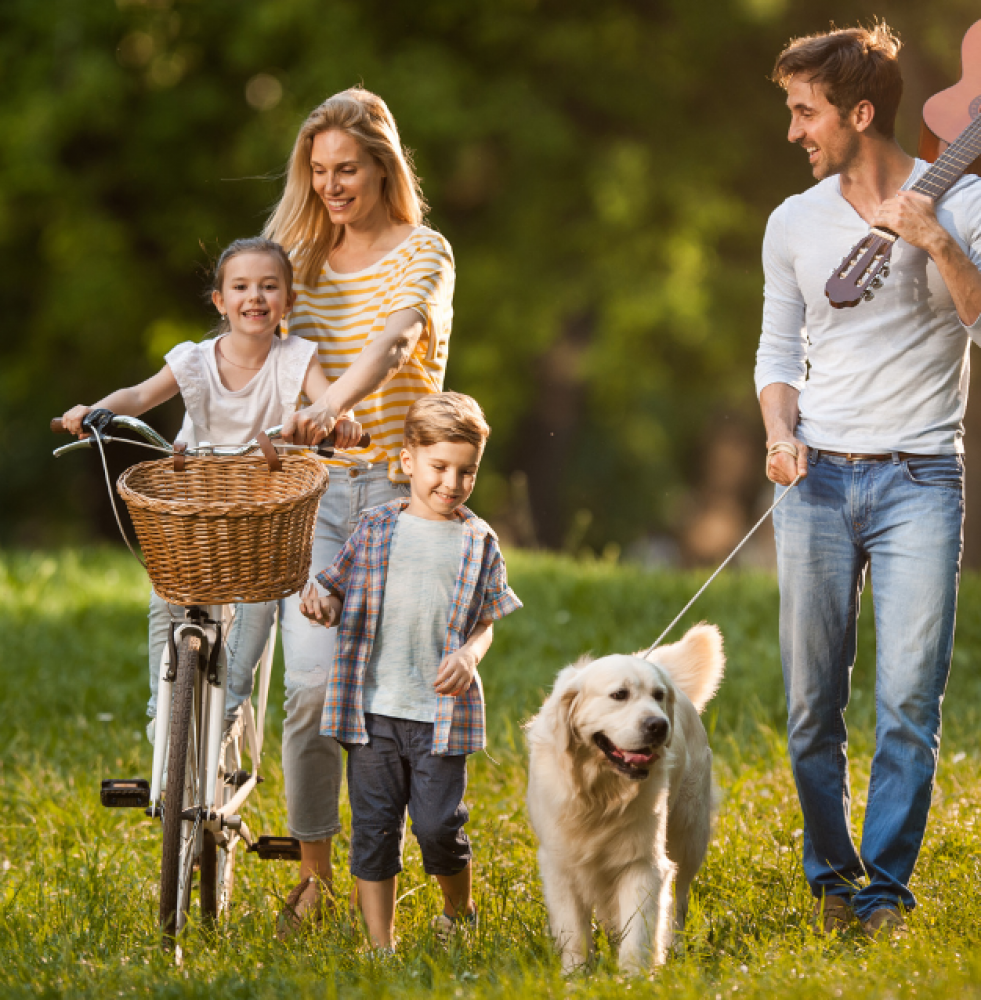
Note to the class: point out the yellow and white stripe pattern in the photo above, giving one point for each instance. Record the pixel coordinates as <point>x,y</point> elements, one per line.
<point>345,312</point>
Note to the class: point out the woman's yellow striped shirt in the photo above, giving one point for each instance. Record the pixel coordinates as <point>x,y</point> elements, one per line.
<point>344,312</point>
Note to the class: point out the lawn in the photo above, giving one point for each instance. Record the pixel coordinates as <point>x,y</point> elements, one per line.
<point>78,882</point>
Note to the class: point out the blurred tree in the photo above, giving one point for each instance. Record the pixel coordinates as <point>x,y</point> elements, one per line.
<point>603,171</point>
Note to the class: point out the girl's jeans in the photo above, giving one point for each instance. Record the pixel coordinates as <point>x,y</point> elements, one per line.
<point>244,645</point>
<point>903,519</point>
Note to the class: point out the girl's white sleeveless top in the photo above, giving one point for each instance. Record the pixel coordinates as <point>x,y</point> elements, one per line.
<point>221,416</point>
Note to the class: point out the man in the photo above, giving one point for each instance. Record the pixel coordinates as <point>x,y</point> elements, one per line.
<point>866,406</point>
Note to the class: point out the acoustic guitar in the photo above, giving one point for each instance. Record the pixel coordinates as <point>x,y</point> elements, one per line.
<point>951,139</point>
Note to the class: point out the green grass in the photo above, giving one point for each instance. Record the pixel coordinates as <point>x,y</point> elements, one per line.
<point>78,882</point>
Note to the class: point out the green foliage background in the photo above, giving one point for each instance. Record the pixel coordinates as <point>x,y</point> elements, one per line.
<point>603,171</point>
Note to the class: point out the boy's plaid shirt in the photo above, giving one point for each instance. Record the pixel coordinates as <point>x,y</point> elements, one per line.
<point>358,576</point>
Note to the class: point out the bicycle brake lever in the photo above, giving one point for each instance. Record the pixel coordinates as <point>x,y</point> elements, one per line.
<point>98,420</point>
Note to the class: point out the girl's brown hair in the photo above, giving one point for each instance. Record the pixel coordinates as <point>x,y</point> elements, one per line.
<point>254,244</point>
<point>300,221</point>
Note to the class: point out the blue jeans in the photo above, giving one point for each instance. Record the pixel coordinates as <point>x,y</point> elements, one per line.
<point>903,519</point>
<point>244,645</point>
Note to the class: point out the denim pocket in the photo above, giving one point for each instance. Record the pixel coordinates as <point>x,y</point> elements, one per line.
<point>946,471</point>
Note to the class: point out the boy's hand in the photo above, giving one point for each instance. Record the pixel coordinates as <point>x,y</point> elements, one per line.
<point>347,431</point>
<point>323,609</point>
<point>72,419</point>
<point>456,673</point>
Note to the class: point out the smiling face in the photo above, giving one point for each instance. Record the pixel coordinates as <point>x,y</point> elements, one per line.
<point>625,709</point>
<point>442,477</point>
<point>816,125</point>
<point>346,178</point>
<point>254,294</point>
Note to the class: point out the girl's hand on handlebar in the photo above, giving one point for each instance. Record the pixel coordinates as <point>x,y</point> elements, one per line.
<point>347,431</point>
<point>321,609</point>
<point>72,419</point>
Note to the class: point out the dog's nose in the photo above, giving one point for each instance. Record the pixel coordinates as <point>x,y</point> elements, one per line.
<point>655,730</point>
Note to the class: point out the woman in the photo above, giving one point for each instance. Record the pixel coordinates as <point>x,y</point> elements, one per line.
<point>374,292</point>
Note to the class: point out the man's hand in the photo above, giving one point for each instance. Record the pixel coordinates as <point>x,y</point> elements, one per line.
<point>913,217</point>
<point>456,672</point>
<point>782,467</point>
<point>322,609</point>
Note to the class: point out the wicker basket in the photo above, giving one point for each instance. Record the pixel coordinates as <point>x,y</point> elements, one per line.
<point>225,529</point>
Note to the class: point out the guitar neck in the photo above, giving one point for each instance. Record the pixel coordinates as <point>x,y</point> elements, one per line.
<point>954,160</point>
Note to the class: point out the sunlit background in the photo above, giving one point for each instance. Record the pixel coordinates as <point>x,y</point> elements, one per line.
<point>603,172</point>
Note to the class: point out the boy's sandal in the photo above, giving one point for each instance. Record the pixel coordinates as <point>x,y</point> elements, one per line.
<point>444,926</point>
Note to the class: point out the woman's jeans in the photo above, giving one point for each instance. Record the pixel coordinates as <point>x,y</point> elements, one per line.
<point>312,764</point>
<point>246,640</point>
<point>904,519</point>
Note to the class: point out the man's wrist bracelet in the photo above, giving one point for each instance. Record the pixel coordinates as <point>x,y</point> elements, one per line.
<point>782,448</point>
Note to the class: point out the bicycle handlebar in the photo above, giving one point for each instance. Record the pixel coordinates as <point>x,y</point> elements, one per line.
<point>103,420</point>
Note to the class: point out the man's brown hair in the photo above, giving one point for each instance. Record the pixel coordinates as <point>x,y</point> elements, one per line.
<point>852,65</point>
<point>445,416</point>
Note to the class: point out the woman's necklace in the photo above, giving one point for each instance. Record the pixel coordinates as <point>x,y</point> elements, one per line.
<point>228,360</point>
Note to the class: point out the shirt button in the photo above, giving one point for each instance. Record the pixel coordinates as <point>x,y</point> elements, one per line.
<point>353,473</point>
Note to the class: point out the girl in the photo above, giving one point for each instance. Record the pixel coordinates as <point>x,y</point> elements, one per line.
<point>234,385</point>
<point>375,294</point>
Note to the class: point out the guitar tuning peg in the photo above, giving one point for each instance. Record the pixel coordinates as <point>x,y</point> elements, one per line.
<point>877,282</point>
<point>885,271</point>
<point>869,295</point>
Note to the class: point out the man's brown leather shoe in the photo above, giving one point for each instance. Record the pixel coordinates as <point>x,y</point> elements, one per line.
<point>832,914</point>
<point>885,922</point>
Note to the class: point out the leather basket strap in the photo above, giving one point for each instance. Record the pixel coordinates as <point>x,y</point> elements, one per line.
<point>269,452</point>
<point>180,447</point>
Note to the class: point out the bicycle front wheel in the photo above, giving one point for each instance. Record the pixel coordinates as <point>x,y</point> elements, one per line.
<point>178,834</point>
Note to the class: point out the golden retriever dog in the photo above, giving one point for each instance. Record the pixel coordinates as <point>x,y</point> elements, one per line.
<point>620,795</point>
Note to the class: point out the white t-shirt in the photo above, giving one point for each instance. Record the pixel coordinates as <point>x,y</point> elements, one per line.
<point>221,416</point>
<point>423,568</point>
<point>887,375</point>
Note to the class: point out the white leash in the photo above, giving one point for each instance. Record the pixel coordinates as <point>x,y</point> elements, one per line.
<point>704,587</point>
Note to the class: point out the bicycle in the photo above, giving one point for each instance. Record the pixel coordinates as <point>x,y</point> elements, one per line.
<point>192,750</point>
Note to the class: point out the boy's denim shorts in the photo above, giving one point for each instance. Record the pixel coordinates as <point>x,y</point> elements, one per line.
<point>395,770</point>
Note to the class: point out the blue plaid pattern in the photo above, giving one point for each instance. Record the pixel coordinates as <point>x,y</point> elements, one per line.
<point>358,576</point>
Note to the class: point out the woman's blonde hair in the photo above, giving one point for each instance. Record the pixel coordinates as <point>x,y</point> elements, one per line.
<point>300,221</point>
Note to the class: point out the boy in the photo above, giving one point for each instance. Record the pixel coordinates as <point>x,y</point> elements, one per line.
<point>414,591</point>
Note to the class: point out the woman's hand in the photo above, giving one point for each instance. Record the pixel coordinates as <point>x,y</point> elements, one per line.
<point>321,609</point>
<point>311,424</point>
<point>72,419</point>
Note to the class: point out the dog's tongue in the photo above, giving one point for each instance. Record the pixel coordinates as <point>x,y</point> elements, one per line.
<point>631,757</point>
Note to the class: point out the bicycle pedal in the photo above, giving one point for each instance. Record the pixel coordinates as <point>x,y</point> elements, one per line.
<point>276,848</point>
<point>129,793</point>
<point>240,777</point>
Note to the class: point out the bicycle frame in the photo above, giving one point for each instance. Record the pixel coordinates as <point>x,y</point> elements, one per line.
<point>213,793</point>
<point>212,812</point>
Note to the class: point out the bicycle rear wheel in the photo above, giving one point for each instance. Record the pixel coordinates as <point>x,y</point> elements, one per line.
<point>175,864</point>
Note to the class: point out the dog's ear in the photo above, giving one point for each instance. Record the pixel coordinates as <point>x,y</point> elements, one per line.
<point>563,703</point>
<point>695,663</point>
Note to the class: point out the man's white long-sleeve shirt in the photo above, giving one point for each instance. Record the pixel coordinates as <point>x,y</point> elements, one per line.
<point>887,375</point>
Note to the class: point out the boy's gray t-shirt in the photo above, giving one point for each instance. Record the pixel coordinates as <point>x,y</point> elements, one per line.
<point>423,567</point>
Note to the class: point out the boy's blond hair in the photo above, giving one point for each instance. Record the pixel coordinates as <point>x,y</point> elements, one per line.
<point>445,416</point>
